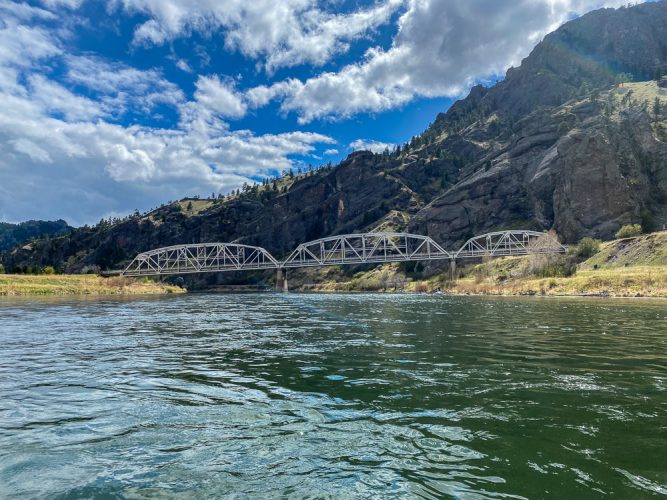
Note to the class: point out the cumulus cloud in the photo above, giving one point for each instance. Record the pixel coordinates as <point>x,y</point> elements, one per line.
<point>370,145</point>
<point>220,97</point>
<point>284,33</point>
<point>441,48</point>
<point>66,155</point>
<point>331,151</point>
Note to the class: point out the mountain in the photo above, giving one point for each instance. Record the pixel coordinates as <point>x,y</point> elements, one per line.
<point>12,235</point>
<point>575,140</point>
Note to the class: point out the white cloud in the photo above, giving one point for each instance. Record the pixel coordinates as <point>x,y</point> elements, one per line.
<point>64,157</point>
<point>22,11</point>
<point>32,150</point>
<point>53,98</point>
<point>21,45</point>
<point>183,65</point>
<point>441,49</point>
<point>284,33</point>
<point>370,145</point>
<point>220,97</point>
<point>332,151</point>
<point>83,170</point>
<point>120,87</point>
<point>70,4</point>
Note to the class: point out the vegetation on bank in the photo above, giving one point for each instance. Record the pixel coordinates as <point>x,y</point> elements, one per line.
<point>627,267</point>
<point>79,284</point>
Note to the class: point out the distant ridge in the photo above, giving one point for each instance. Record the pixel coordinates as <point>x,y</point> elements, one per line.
<point>12,235</point>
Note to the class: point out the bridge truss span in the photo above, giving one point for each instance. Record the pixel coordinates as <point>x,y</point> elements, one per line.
<point>365,248</point>
<point>506,243</point>
<point>200,258</point>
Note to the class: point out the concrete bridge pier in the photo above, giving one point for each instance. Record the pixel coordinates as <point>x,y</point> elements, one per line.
<point>281,280</point>
<point>452,269</point>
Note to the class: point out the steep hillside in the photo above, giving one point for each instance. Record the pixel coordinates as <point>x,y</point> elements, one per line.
<point>561,143</point>
<point>585,167</point>
<point>647,250</point>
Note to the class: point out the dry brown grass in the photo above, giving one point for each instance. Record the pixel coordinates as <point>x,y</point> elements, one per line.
<point>79,284</point>
<point>196,206</point>
<point>639,281</point>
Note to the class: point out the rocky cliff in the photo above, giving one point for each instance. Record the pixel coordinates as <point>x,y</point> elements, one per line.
<point>585,167</point>
<point>575,139</point>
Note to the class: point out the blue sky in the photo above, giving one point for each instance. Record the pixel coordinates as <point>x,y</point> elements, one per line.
<point>116,105</point>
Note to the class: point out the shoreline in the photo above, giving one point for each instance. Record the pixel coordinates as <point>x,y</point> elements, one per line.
<point>459,294</point>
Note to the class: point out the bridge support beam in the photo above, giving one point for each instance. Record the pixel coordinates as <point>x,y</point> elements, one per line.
<point>452,269</point>
<point>281,280</point>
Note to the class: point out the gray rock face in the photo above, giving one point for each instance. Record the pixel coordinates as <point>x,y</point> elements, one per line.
<point>587,178</point>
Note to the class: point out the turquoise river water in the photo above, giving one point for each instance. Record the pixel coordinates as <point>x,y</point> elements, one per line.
<point>333,396</point>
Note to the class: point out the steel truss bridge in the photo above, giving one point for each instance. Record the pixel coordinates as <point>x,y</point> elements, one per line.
<point>335,250</point>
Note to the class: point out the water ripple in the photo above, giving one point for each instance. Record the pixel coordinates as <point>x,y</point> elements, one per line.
<point>361,396</point>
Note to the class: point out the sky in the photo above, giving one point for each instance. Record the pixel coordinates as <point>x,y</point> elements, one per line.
<point>107,106</point>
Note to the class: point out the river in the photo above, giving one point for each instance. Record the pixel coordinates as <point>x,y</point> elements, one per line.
<point>333,396</point>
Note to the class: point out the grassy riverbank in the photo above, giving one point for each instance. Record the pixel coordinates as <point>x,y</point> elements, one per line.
<point>630,267</point>
<point>79,284</point>
<point>636,281</point>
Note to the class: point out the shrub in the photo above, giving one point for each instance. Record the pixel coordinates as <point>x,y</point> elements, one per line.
<point>587,247</point>
<point>370,285</point>
<point>49,270</point>
<point>2,269</point>
<point>550,266</point>
<point>648,220</point>
<point>629,231</point>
